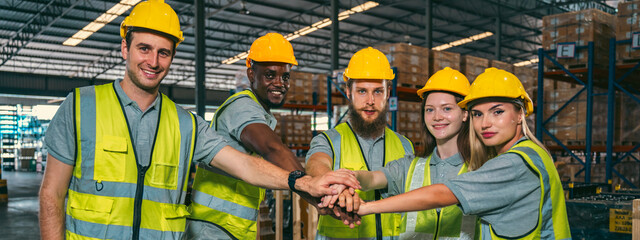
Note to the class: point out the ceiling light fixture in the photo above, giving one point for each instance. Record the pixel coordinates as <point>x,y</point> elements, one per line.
<point>463,41</point>
<point>100,22</point>
<point>244,9</point>
<point>525,63</point>
<point>313,27</point>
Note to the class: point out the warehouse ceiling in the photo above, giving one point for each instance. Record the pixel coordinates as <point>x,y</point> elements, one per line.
<point>32,33</point>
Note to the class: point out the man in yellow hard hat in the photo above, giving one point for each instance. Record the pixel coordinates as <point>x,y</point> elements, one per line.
<point>224,207</point>
<point>362,143</point>
<point>122,151</point>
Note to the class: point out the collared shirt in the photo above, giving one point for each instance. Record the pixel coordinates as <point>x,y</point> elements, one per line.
<point>504,192</point>
<point>60,143</point>
<point>373,149</point>
<point>238,115</point>
<point>397,172</point>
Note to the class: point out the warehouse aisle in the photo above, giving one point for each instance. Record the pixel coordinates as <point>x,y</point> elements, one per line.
<point>19,218</point>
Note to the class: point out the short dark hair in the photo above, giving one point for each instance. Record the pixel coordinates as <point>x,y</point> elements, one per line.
<point>129,37</point>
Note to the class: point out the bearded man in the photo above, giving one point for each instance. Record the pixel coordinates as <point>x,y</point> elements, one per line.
<point>362,143</point>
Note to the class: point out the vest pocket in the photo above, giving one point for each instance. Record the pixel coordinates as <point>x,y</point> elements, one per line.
<point>164,175</point>
<point>91,208</point>
<point>175,217</point>
<point>110,159</point>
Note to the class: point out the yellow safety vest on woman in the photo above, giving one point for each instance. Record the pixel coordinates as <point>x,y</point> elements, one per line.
<point>448,223</point>
<point>552,214</point>
<point>347,154</point>
<point>110,195</point>
<point>226,201</point>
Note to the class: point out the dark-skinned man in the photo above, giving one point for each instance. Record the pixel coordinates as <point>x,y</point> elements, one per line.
<point>224,207</point>
<point>362,143</point>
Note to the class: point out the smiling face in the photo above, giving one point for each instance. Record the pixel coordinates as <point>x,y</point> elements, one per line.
<point>442,116</point>
<point>270,82</point>
<point>148,59</point>
<point>498,124</point>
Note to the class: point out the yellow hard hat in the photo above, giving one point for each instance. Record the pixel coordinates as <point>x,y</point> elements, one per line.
<point>497,83</point>
<point>272,47</point>
<point>155,15</point>
<point>447,79</point>
<point>368,63</point>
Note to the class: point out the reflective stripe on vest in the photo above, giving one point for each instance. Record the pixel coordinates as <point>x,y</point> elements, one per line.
<point>348,154</point>
<point>226,201</point>
<point>449,223</point>
<point>102,191</point>
<point>552,214</point>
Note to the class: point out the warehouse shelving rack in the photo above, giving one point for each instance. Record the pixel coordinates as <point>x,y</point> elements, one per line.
<point>9,137</point>
<point>613,83</point>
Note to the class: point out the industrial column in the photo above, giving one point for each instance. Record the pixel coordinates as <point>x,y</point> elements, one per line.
<point>200,57</point>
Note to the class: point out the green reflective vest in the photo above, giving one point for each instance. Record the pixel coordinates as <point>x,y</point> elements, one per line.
<point>448,223</point>
<point>110,195</point>
<point>552,214</point>
<point>224,200</point>
<point>347,154</point>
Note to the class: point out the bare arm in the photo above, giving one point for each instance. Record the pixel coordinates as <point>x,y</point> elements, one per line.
<point>52,194</point>
<point>319,163</point>
<point>261,139</point>
<point>371,180</point>
<point>259,172</point>
<point>429,197</point>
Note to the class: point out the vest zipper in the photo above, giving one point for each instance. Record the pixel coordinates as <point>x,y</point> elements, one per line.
<point>435,235</point>
<point>137,204</point>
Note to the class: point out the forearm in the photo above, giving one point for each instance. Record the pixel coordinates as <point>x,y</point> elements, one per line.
<point>282,157</point>
<point>318,164</point>
<point>424,198</point>
<point>51,217</point>
<point>371,180</point>
<point>252,170</point>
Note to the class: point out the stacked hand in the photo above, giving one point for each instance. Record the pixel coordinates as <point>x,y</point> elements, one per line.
<point>344,205</point>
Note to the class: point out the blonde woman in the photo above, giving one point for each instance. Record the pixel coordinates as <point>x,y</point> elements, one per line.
<point>513,186</point>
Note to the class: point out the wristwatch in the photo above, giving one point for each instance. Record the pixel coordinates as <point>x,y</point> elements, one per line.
<point>293,176</point>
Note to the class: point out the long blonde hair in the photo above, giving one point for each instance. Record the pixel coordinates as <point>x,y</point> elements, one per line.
<point>480,153</point>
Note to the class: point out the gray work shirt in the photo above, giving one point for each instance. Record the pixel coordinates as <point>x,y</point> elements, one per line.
<point>397,172</point>
<point>60,143</point>
<point>503,192</point>
<point>235,117</point>
<point>373,149</point>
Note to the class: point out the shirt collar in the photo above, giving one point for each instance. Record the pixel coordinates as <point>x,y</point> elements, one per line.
<point>454,160</point>
<point>126,101</point>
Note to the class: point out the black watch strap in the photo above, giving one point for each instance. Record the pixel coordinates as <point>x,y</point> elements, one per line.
<point>293,176</point>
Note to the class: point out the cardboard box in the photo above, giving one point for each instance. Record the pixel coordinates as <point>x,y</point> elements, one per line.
<point>442,59</point>
<point>472,66</point>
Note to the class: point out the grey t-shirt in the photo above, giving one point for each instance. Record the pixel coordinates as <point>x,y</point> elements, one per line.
<point>60,143</point>
<point>234,118</point>
<point>397,172</point>
<point>373,149</point>
<point>503,192</point>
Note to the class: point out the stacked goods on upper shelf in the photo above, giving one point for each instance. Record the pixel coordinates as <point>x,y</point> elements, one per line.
<point>408,122</point>
<point>628,120</point>
<point>472,66</point>
<point>627,23</point>
<point>579,27</point>
<point>412,63</point>
<point>295,130</point>
<point>570,124</point>
<point>529,78</point>
<point>502,65</point>
<point>441,60</point>
<point>320,84</point>
<point>300,88</point>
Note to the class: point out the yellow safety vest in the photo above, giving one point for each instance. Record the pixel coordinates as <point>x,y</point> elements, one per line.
<point>110,195</point>
<point>552,214</point>
<point>448,224</point>
<point>223,200</point>
<point>347,154</point>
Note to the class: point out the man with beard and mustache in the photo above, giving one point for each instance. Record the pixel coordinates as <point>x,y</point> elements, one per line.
<point>121,151</point>
<point>362,143</point>
<point>246,122</point>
